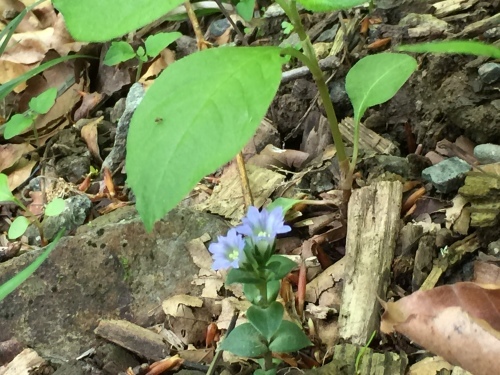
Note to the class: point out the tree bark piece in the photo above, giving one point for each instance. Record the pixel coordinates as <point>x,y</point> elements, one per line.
<point>373,225</point>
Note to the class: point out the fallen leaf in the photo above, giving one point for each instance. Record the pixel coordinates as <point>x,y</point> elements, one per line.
<point>89,135</point>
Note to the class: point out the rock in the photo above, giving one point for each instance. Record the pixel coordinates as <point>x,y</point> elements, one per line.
<point>74,214</point>
<point>494,248</point>
<point>111,269</point>
<point>291,41</point>
<point>487,153</point>
<point>448,175</point>
<point>489,72</point>
<point>328,35</point>
<point>117,154</point>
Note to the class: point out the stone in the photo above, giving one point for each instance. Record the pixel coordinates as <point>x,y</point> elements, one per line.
<point>328,35</point>
<point>111,269</point>
<point>487,153</point>
<point>448,175</point>
<point>489,72</point>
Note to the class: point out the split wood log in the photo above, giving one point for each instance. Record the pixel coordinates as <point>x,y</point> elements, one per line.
<point>372,229</point>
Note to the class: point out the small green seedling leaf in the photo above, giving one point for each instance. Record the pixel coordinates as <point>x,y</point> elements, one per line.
<point>469,47</point>
<point>329,5</point>
<point>119,52</point>
<point>253,294</point>
<point>156,43</point>
<point>285,203</point>
<point>5,194</point>
<point>18,227</point>
<point>9,286</point>
<point>287,27</point>
<point>376,78</point>
<point>17,125</point>
<point>289,338</point>
<point>266,320</point>
<point>43,102</point>
<point>244,341</point>
<point>55,207</point>
<point>102,20</point>
<point>205,121</point>
<point>245,9</point>
<point>141,54</point>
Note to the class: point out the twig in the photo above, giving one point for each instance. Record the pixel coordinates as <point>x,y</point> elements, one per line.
<point>218,354</point>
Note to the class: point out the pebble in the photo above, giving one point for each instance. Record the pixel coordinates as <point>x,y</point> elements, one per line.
<point>487,153</point>
<point>489,72</point>
<point>447,176</point>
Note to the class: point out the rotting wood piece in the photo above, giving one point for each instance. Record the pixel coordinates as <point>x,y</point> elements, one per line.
<point>138,340</point>
<point>372,229</point>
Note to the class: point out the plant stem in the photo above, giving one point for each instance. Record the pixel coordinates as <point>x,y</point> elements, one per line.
<point>268,361</point>
<point>290,8</point>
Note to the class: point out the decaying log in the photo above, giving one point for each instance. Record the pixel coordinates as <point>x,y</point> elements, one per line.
<point>372,229</point>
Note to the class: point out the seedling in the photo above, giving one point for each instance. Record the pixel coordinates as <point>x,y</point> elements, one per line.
<point>287,27</point>
<point>21,223</point>
<point>37,106</point>
<point>122,51</point>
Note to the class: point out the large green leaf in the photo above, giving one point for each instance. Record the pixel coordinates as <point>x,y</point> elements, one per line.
<point>266,320</point>
<point>376,78</point>
<point>329,5</point>
<point>196,116</point>
<point>470,47</point>
<point>9,286</point>
<point>289,338</point>
<point>244,341</point>
<point>101,20</point>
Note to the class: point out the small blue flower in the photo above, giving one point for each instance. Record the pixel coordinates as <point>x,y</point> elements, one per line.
<point>228,251</point>
<point>264,225</point>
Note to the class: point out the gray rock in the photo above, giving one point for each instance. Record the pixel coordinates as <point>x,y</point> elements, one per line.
<point>489,72</point>
<point>328,35</point>
<point>291,41</point>
<point>487,153</point>
<point>111,269</point>
<point>494,248</point>
<point>448,175</point>
<point>74,214</point>
<point>117,154</point>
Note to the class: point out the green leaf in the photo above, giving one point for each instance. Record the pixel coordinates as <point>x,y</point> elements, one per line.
<point>141,54</point>
<point>266,320</point>
<point>11,27</point>
<point>245,9</point>
<point>44,102</point>
<point>289,338</point>
<point>376,78</point>
<point>329,5</point>
<point>55,207</point>
<point>211,103</point>
<point>244,341</point>
<point>253,295</point>
<point>470,47</point>
<point>18,227</point>
<point>280,266</point>
<point>285,203</point>
<point>5,194</point>
<point>12,284</point>
<point>7,87</point>
<point>17,125</point>
<point>119,52</point>
<point>102,20</point>
<point>237,275</point>
<point>158,42</point>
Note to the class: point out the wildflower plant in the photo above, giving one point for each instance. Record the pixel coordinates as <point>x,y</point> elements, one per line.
<point>249,251</point>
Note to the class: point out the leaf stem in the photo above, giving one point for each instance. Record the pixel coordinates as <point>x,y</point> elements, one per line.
<point>310,60</point>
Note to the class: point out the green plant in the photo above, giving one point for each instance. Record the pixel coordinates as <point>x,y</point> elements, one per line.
<point>38,105</point>
<point>470,47</point>
<point>254,264</point>
<point>361,353</point>
<point>10,285</point>
<point>212,101</point>
<point>122,51</point>
<point>21,223</point>
<point>287,27</point>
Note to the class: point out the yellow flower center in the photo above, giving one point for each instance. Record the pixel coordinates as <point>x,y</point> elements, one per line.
<point>233,255</point>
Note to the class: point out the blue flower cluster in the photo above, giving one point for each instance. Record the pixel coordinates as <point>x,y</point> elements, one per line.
<point>258,226</point>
